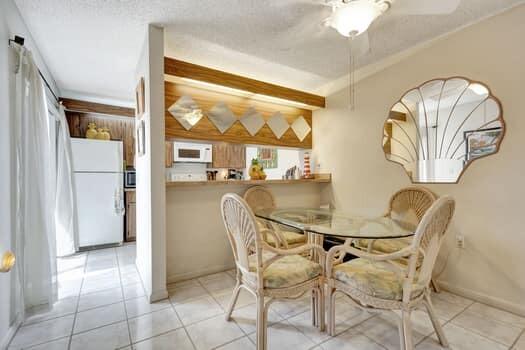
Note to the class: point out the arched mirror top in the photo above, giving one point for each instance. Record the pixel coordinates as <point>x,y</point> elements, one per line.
<point>436,130</point>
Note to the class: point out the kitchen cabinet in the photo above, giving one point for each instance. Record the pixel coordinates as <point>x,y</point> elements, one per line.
<point>227,155</point>
<point>131,216</point>
<point>169,154</point>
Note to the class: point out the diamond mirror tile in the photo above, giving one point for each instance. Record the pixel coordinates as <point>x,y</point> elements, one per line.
<point>252,121</point>
<point>221,116</point>
<point>278,124</point>
<point>301,128</point>
<point>186,111</point>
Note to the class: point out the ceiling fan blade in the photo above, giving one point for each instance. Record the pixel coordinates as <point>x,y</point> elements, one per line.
<point>424,7</point>
<point>360,45</point>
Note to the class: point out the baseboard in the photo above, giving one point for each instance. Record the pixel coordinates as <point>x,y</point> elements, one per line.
<point>158,295</point>
<point>198,273</point>
<point>485,299</point>
<point>11,332</point>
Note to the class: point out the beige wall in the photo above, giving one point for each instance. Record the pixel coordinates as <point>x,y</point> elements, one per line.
<point>196,242</point>
<point>491,194</point>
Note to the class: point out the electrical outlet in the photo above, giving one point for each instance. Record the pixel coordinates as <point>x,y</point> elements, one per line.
<point>460,241</point>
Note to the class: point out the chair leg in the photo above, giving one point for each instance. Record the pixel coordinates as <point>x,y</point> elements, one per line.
<point>261,324</point>
<point>435,286</point>
<point>331,312</point>
<point>233,301</point>
<point>407,330</point>
<point>401,334</point>
<point>314,308</point>
<point>321,308</point>
<point>435,322</point>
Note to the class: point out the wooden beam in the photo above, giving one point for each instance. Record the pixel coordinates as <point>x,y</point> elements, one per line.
<point>99,108</point>
<point>192,71</point>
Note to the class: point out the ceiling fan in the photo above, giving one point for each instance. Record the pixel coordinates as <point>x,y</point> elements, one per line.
<point>352,18</point>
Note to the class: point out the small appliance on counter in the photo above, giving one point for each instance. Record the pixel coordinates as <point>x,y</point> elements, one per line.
<point>235,174</point>
<point>130,178</point>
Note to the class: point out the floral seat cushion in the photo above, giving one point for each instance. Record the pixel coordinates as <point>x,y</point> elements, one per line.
<point>375,278</point>
<point>286,272</point>
<point>292,238</point>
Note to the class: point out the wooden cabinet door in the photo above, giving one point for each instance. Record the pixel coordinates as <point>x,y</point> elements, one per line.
<point>237,156</point>
<point>227,155</point>
<point>220,156</point>
<point>131,216</point>
<point>169,154</point>
<point>131,221</point>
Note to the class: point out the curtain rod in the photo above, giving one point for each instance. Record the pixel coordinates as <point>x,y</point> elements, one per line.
<point>20,41</point>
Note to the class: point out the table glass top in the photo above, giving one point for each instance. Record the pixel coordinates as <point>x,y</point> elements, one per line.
<point>333,223</point>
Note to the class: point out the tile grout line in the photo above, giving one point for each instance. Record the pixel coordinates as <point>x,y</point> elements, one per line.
<point>182,323</point>
<point>517,339</point>
<point>124,300</point>
<point>78,302</point>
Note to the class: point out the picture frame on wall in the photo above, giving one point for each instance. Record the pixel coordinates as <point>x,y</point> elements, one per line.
<point>140,99</point>
<point>141,138</point>
<point>480,143</point>
<point>268,157</point>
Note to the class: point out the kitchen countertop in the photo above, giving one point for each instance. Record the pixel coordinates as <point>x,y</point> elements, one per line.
<point>319,178</point>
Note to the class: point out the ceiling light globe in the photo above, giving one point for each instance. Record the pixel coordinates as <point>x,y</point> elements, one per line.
<point>355,17</point>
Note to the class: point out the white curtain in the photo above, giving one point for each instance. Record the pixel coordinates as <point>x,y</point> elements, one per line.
<point>35,236</point>
<point>65,204</point>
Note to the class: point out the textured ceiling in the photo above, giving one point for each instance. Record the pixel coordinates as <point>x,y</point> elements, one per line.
<point>92,46</point>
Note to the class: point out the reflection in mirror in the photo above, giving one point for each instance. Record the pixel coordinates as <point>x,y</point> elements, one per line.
<point>186,111</point>
<point>437,129</point>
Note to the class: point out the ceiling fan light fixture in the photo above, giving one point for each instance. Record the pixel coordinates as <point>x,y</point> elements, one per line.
<point>355,17</point>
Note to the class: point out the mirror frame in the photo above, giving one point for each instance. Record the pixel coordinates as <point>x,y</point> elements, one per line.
<point>418,87</point>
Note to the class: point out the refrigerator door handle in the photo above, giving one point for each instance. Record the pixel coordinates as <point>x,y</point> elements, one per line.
<point>119,203</point>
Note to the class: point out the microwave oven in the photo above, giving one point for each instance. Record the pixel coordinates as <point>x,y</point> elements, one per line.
<point>192,152</point>
<point>130,179</point>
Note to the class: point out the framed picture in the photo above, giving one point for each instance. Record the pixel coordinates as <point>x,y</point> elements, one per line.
<point>141,138</point>
<point>481,142</point>
<point>267,158</point>
<point>140,99</point>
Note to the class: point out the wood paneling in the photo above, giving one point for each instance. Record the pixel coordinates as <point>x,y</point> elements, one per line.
<point>122,129</point>
<point>99,108</point>
<point>192,71</point>
<point>205,130</point>
<point>227,155</point>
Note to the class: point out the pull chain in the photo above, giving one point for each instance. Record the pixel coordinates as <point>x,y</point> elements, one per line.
<point>351,87</point>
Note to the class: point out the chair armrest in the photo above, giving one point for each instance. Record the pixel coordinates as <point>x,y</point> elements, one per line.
<point>281,253</point>
<point>348,249</point>
<point>278,237</point>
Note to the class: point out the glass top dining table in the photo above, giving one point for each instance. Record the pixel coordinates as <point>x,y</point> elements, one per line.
<point>330,222</point>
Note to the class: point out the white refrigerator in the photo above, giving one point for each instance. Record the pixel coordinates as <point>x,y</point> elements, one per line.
<point>98,167</point>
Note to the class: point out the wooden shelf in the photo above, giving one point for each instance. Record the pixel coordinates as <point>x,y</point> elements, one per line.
<point>319,178</point>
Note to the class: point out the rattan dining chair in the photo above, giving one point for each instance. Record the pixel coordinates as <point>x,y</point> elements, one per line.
<point>408,206</point>
<point>259,197</point>
<point>376,282</point>
<point>269,272</point>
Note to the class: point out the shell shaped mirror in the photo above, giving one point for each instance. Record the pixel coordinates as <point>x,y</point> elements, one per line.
<point>436,130</point>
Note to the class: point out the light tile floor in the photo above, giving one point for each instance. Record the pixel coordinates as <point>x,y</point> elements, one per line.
<point>102,305</point>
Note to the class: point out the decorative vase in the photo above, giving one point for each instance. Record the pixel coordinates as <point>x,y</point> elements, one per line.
<point>91,132</point>
<point>105,134</point>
